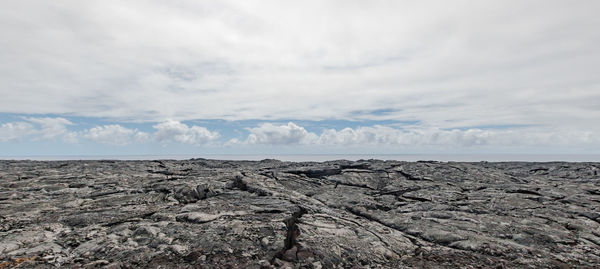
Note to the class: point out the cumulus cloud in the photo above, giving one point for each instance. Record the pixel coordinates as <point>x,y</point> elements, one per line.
<point>292,134</point>
<point>361,135</point>
<point>374,138</point>
<point>52,128</point>
<point>115,134</point>
<point>289,134</point>
<point>384,135</point>
<point>15,131</point>
<point>416,137</point>
<point>36,129</point>
<point>44,128</point>
<point>174,131</point>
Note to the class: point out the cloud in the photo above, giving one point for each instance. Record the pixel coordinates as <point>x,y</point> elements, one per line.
<point>378,135</point>
<point>52,128</point>
<point>447,65</point>
<point>15,131</point>
<point>361,135</point>
<point>174,131</point>
<point>44,128</point>
<point>289,134</point>
<point>455,138</point>
<point>417,137</point>
<point>47,128</point>
<point>141,137</point>
<point>115,134</point>
<point>383,135</point>
<point>413,137</point>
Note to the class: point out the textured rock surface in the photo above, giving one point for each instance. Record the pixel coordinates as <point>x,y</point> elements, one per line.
<point>271,214</point>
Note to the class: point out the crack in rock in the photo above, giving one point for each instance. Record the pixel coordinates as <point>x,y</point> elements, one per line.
<point>204,213</point>
<point>292,233</point>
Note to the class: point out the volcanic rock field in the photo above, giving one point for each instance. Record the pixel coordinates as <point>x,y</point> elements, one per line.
<point>270,214</point>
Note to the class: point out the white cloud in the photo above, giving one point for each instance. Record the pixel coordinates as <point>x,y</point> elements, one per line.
<point>457,138</point>
<point>141,137</point>
<point>361,135</point>
<point>292,134</point>
<point>170,131</point>
<point>289,134</point>
<point>15,131</point>
<point>444,64</point>
<point>45,128</point>
<point>418,138</point>
<point>383,135</point>
<point>70,137</point>
<point>52,128</point>
<point>375,138</point>
<point>115,134</point>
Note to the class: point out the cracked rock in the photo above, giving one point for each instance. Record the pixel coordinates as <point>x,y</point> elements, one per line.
<point>270,214</point>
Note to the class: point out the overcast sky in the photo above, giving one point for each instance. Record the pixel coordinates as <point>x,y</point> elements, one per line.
<point>152,77</point>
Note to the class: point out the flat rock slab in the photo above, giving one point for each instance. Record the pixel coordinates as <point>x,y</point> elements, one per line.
<point>269,214</point>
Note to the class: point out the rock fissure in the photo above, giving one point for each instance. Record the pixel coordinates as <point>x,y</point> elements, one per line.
<point>292,232</point>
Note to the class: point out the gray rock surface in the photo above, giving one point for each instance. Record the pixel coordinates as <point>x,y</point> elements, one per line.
<point>270,214</point>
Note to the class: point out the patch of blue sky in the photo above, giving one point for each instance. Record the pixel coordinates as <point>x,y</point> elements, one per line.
<point>79,123</point>
<point>238,128</point>
<point>51,147</point>
<point>226,129</point>
<point>493,127</point>
<point>375,112</point>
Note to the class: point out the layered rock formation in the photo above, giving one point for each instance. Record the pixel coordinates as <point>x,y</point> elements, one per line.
<point>271,214</point>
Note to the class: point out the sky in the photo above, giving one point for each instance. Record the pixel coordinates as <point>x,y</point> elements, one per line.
<point>299,77</point>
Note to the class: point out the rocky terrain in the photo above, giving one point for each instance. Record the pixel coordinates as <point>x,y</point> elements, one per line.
<point>270,214</point>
